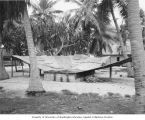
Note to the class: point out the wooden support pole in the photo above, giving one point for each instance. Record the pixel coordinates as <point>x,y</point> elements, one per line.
<point>110,72</point>
<point>29,69</point>
<point>22,67</point>
<point>15,65</point>
<point>12,66</point>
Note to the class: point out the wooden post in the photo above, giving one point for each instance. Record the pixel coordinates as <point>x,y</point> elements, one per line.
<point>15,65</point>
<point>40,72</point>
<point>12,66</point>
<point>54,76</point>
<point>29,69</point>
<point>110,72</point>
<point>22,67</point>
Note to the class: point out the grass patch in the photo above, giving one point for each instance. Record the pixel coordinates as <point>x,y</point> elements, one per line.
<point>68,103</point>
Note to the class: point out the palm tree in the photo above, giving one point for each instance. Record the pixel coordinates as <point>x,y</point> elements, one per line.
<point>3,74</point>
<point>137,50</point>
<point>15,9</point>
<point>104,39</point>
<point>35,84</point>
<point>107,6</point>
<point>44,10</point>
<point>84,15</point>
<point>42,20</point>
<point>92,24</point>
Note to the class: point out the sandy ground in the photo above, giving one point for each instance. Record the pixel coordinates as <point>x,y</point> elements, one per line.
<point>17,85</point>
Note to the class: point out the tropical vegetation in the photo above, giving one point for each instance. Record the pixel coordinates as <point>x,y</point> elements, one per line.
<point>83,30</point>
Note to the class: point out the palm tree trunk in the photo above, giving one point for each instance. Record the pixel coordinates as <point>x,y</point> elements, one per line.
<point>35,83</point>
<point>3,74</point>
<point>129,70</point>
<point>143,31</point>
<point>137,50</point>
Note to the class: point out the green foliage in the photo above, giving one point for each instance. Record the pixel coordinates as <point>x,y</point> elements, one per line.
<point>15,39</point>
<point>12,9</point>
<point>83,33</point>
<point>91,22</point>
<point>43,26</point>
<point>107,5</point>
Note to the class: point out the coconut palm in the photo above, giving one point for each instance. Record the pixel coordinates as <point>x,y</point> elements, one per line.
<point>107,6</point>
<point>89,19</point>
<point>35,84</point>
<point>15,9</point>
<point>103,39</point>
<point>137,50</point>
<point>42,20</point>
<point>43,9</point>
<point>84,15</point>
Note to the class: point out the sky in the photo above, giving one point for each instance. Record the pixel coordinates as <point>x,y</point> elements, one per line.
<point>65,6</point>
<point>142,4</point>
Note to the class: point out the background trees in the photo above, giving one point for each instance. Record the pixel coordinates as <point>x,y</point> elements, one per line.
<point>84,32</point>
<point>15,39</point>
<point>9,10</point>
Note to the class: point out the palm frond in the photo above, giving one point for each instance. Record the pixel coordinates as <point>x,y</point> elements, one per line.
<point>36,8</point>
<point>122,5</point>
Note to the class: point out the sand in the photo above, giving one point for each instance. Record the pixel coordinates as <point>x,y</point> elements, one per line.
<point>17,85</point>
